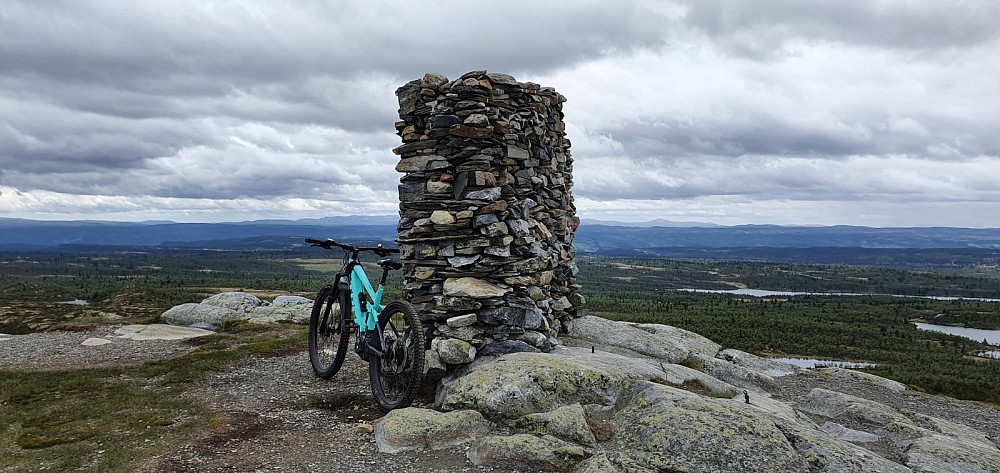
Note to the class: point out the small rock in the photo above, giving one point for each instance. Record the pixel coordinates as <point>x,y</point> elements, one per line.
<point>459,261</point>
<point>363,429</point>
<point>492,193</point>
<point>462,320</point>
<point>454,351</point>
<point>442,217</point>
<point>477,119</point>
<point>473,287</point>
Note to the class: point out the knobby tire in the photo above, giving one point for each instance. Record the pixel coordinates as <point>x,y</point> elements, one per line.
<point>396,376</point>
<point>328,334</point>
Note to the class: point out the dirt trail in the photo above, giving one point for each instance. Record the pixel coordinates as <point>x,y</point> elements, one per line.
<point>280,417</point>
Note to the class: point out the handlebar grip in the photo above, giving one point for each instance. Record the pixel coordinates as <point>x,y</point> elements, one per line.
<point>328,243</point>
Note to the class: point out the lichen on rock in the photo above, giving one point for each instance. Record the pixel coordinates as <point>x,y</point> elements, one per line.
<point>417,429</point>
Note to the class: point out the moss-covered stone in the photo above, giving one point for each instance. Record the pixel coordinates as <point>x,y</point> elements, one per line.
<point>525,383</point>
<point>417,429</point>
<point>939,453</point>
<point>527,451</point>
<point>662,342</point>
<point>843,373</point>
<point>599,463</point>
<point>757,363</point>
<point>825,453</point>
<point>737,375</point>
<point>668,429</point>
<point>567,422</point>
<point>837,405</point>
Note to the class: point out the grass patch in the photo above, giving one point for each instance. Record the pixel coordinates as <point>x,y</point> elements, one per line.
<point>113,419</point>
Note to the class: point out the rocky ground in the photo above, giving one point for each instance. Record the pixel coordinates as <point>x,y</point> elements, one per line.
<point>280,417</point>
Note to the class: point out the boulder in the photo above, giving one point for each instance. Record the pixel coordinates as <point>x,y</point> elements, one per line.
<point>843,373</point>
<point>835,405</point>
<point>662,342</point>
<point>214,311</point>
<point>525,383</point>
<point>756,363</point>
<point>284,308</point>
<point>840,432</point>
<point>190,313</point>
<point>238,301</point>
<point>567,422</point>
<point>669,429</point>
<point>598,463</point>
<point>824,453</point>
<point>526,451</point>
<point>939,453</point>
<point>935,426</point>
<point>414,428</point>
<point>737,375</point>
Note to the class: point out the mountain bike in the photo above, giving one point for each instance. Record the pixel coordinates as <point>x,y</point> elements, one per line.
<point>390,338</point>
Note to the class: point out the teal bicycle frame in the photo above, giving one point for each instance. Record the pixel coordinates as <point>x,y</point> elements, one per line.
<point>365,315</point>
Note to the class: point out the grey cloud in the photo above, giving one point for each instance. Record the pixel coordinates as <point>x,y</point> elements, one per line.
<point>760,178</point>
<point>278,101</point>
<point>146,50</point>
<point>764,132</point>
<point>106,85</point>
<point>763,29</point>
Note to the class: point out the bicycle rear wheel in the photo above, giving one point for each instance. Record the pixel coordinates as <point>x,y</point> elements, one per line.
<point>397,374</point>
<point>328,334</point>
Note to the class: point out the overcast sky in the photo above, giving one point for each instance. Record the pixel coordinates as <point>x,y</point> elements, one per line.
<point>881,113</point>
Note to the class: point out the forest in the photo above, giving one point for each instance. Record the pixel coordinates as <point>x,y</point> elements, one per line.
<point>876,327</point>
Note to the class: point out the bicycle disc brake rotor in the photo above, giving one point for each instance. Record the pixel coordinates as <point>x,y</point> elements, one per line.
<point>395,354</point>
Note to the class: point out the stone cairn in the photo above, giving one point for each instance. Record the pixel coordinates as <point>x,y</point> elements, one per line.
<point>486,215</point>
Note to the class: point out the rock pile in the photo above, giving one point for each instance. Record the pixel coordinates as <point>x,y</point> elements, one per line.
<point>486,215</point>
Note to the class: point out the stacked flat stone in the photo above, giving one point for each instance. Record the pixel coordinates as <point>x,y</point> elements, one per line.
<point>486,215</point>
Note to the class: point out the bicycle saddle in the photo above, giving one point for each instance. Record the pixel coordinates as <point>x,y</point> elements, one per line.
<point>389,264</point>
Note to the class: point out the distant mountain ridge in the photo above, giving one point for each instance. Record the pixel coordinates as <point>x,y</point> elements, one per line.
<point>651,223</point>
<point>22,235</point>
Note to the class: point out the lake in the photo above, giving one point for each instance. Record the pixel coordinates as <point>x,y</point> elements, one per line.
<point>75,302</point>
<point>765,293</point>
<point>991,336</point>
<point>813,363</point>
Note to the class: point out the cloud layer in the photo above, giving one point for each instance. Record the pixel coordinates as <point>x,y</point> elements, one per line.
<point>832,112</point>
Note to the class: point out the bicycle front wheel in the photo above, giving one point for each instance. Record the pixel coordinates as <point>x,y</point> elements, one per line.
<point>328,334</point>
<point>397,374</point>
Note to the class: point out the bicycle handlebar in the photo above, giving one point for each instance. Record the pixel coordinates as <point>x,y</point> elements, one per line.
<point>329,243</point>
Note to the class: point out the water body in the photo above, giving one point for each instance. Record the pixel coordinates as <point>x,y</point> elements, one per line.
<point>991,336</point>
<point>75,302</point>
<point>814,363</point>
<point>764,293</point>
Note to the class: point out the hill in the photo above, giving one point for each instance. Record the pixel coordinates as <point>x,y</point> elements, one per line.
<point>833,244</point>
